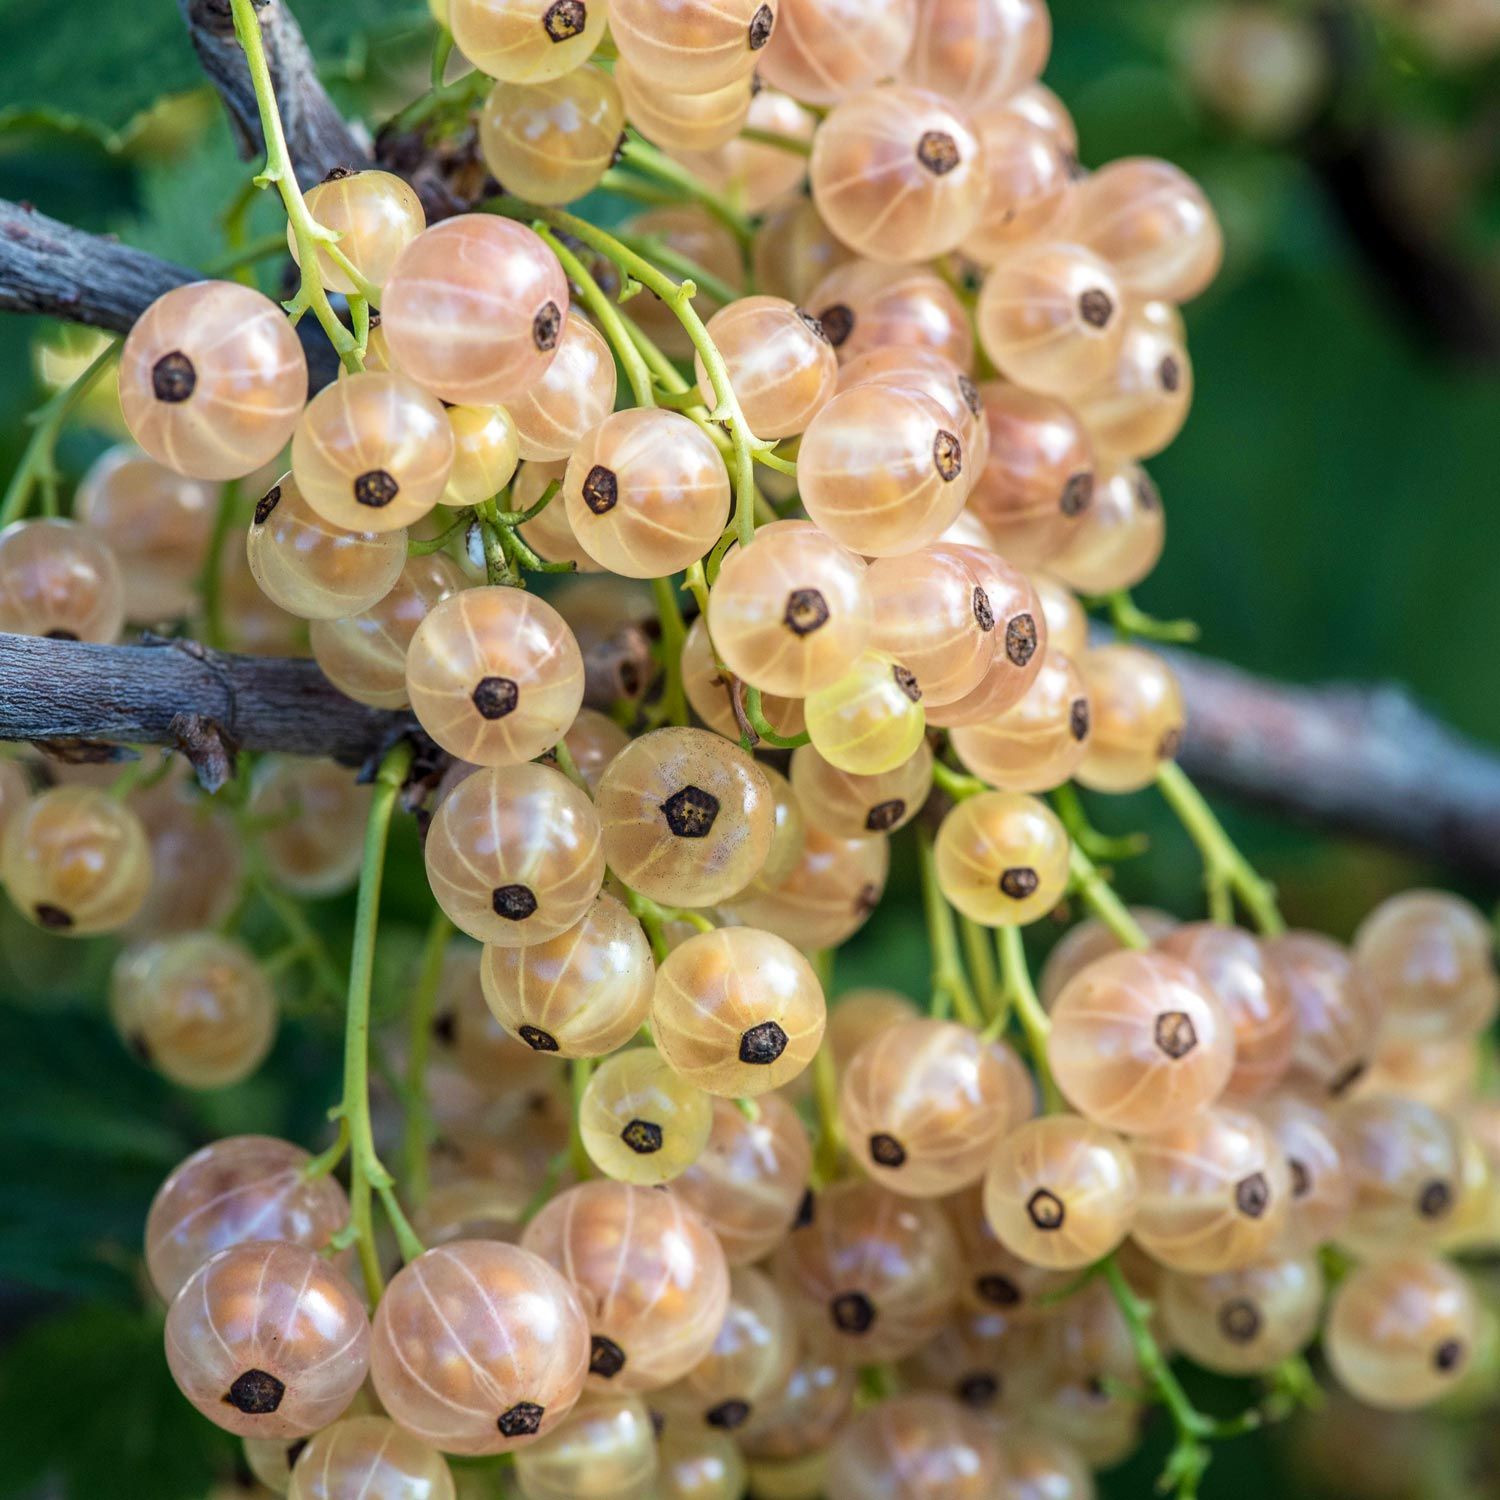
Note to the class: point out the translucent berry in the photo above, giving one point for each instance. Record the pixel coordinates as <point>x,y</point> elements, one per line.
<point>1405,1160</point>
<point>1338,1017</point>
<point>1139,1042</point>
<point>313,567</point>
<point>1028,175</point>
<point>474,309</point>
<point>975,52</point>
<point>1051,317</point>
<point>1002,859</point>
<point>549,533</point>
<point>1140,406</point>
<point>865,306</point>
<point>1038,104</point>
<point>375,215</point>
<point>695,234</point>
<point>710,691</point>
<point>859,1017</point>
<point>898,174</point>
<point>1152,223</point>
<point>479,1347</point>
<point>514,856</point>
<point>1401,1331</point>
<point>1039,1466</point>
<point>992,1279</point>
<point>553,416</point>
<point>364,655</point>
<point>1038,744</point>
<point>684,122</point>
<point>875,1274</point>
<point>824,50</point>
<point>550,141</point>
<point>157,525</point>
<point>246,1187</point>
<point>1119,538</point>
<point>212,380</point>
<point>643,1122</point>
<point>1136,717</point>
<point>1060,1191</point>
<point>922,1106</point>
<point>526,41</point>
<point>737,1011</point>
<point>494,675</point>
<point>486,450</point>
<point>370,1457</point>
<point>1067,623</point>
<point>582,994</point>
<point>990,1363</point>
<point>869,721</point>
<point>849,806</point>
<point>780,363</point>
<point>1317,1155</point>
<point>1039,475</point>
<point>1091,939</point>
<point>791,613</point>
<point>76,861</point>
<point>750,1179</point>
<point>698,1463</point>
<point>695,46</point>
<point>312,819</point>
<point>804,1413</point>
<point>1244,1322</point>
<point>1428,957</point>
<point>934,374</point>
<point>606,1448</point>
<point>750,172</point>
<point>60,580</point>
<point>915,1447</point>
<point>794,251</point>
<point>268,1340</point>
<point>1215,1192</point>
<point>15,792</point>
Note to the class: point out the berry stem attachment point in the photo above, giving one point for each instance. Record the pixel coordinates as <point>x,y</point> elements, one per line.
<point>950,984</point>
<point>1226,872</point>
<point>1133,623</point>
<point>755,713</point>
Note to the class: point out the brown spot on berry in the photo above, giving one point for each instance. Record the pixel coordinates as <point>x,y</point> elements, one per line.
<point>1077,494</point>
<point>1448,1356</point>
<point>970,392</point>
<point>1147,496</point>
<point>376,488</point>
<point>61,635</point>
<point>1301,1177</point>
<point>978,1390</point>
<point>564,19</point>
<point>906,680</point>
<point>173,378</point>
<point>601,490</point>
<point>513,902</point>
<point>495,697</point>
<point>763,1044</point>
<point>815,324</point>
<point>947,456</point>
<point>1020,639</point>
<point>445,1028</point>
<point>728,1415</point>
<point>1096,308</point>
<point>853,1312</point>
<point>1175,1033</point>
<point>546,326</point>
<point>1252,1195</point>
<point>1045,1209</point>
<point>885,815</point>
<point>53,917</point>
<point>1170,374</point>
<point>538,1040</point>
<point>761,26</point>
<point>1346,1080</point>
<point>938,152</point>
<point>1239,1320</point>
<point>643,1137</point>
<point>606,1358</point>
<point>984,612</point>
<point>837,323</point>
<point>266,504</point>
<point>998,1290</point>
<point>1019,882</point>
<point>256,1393</point>
<point>1079,719</point>
<point>1169,744</point>
<point>806,611</point>
<point>690,812</point>
<point>1435,1200</point>
<point>522,1420</point>
<point>887,1151</point>
<point>806,1209</point>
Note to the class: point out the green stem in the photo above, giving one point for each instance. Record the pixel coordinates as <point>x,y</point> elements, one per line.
<point>674,705</point>
<point>1098,846</point>
<point>311,237</point>
<point>580,1070</point>
<point>1096,893</point>
<point>37,466</point>
<point>418,1135</point>
<point>976,945</point>
<point>662,254</point>
<point>442,50</point>
<point>755,713</point>
<point>1020,999</point>
<point>367,1174</point>
<point>646,159</point>
<point>437,543</point>
<point>826,1101</point>
<point>955,783</point>
<point>950,985</point>
<point>792,143</point>
<point>246,255</point>
<point>210,581</point>
<point>291,916</point>
<point>1225,869</point>
<point>606,315</point>
<point>1132,622</point>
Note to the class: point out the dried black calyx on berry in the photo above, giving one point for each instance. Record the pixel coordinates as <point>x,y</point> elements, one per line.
<point>1020,640</point>
<point>522,1420</point>
<point>1252,1195</point>
<point>495,697</point>
<point>938,152</point>
<point>513,902</point>
<point>376,488</point>
<point>1175,1033</point>
<point>885,815</point>
<point>53,917</point>
<point>728,1415</point>
<point>837,322</point>
<point>1045,1209</point>
<point>690,812</point>
<point>998,1290</point>
<point>1096,307</point>
<point>1078,719</point>
<point>1077,494</point>
<point>806,1210</point>
<point>984,613</point>
<point>601,490</point>
<point>1448,1356</point>
<point>537,1039</point>
<point>1170,374</point>
<point>981,1389</point>
<point>887,1151</point>
<point>906,680</point>
<point>1169,744</point>
<point>546,326</point>
<point>970,392</point>
<point>1147,496</point>
<point>853,1312</point>
<point>1019,882</point>
<point>947,456</point>
<point>140,1048</point>
<point>294,1451</point>
<point>761,25</point>
<point>266,504</point>
<point>1239,1320</point>
<point>806,611</point>
<point>762,1044</point>
<point>256,1393</point>
<point>606,1358</point>
<point>1435,1200</point>
<point>445,1028</point>
<point>816,324</point>
<point>867,899</point>
<point>1301,1177</point>
<point>564,19</point>
<point>173,378</point>
<point>1348,1078</point>
<point>644,1137</point>
<point>61,635</point>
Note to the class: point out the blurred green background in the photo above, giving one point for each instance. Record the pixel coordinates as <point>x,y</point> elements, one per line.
<point>1332,513</point>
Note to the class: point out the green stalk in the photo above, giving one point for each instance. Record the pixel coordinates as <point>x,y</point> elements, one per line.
<point>950,985</point>
<point>646,159</point>
<point>1020,999</point>
<point>1096,893</point>
<point>1225,869</point>
<point>674,706</point>
<point>418,1134</point>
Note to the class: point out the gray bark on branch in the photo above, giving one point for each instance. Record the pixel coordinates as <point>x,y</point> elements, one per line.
<point>1366,761</point>
<point>317,135</point>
